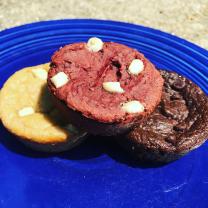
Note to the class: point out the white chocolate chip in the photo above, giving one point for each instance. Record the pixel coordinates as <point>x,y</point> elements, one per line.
<point>26,111</point>
<point>40,73</point>
<point>60,79</point>
<point>133,106</point>
<point>136,67</point>
<point>113,87</point>
<point>94,44</point>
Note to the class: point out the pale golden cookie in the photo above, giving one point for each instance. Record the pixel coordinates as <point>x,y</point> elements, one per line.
<point>27,111</point>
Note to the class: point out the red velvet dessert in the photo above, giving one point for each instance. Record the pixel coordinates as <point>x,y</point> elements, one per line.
<point>105,87</point>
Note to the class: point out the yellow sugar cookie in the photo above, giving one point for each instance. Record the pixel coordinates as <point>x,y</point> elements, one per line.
<point>27,110</point>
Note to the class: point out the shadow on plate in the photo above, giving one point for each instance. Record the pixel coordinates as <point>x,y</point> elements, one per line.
<point>93,147</point>
<point>85,150</point>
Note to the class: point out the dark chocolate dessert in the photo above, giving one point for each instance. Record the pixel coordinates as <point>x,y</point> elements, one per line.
<point>105,87</point>
<point>178,125</point>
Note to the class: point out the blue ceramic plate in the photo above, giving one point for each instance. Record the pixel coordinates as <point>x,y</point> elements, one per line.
<point>98,173</point>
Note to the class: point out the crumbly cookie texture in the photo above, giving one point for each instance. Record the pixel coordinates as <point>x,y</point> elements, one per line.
<point>25,91</point>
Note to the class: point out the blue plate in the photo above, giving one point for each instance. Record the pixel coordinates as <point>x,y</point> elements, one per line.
<point>98,173</point>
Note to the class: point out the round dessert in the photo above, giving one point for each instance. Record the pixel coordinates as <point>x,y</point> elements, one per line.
<point>104,87</point>
<point>178,125</point>
<point>26,110</point>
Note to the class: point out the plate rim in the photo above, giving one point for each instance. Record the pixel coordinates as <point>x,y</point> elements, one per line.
<point>71,20</point>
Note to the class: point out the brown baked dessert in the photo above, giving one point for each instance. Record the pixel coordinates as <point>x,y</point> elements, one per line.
<point>104,88</point>
<point>178,125</point>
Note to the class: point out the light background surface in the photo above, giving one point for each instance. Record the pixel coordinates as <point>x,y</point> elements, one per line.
<point>185,18</point>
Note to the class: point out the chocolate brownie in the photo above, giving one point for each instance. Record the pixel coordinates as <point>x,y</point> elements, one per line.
<point>106,90</point>
<point>178,125</point>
